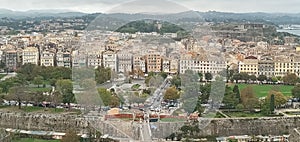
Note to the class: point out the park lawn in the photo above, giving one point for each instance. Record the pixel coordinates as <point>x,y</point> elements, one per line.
<point>244,114</point>
<point>34,140</point>
<point>40,109</point>
<point>261,90</point>
<point>41,89</point>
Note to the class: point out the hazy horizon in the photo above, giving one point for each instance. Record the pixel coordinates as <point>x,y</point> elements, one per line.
<point>139,6</point>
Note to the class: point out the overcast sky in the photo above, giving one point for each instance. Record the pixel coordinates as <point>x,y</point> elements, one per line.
<point>91,6</point>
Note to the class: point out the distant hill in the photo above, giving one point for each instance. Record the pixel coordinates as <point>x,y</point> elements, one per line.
<point>187,16</point>
<point>39,13</point>
<point>214,16</point>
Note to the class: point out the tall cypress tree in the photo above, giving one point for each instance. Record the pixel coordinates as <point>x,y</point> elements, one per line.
<point>236,90</point>
<point>272,103</point>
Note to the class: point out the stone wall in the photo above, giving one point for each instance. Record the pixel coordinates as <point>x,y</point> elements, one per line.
<point>123,129</point>
<point>228,127</point>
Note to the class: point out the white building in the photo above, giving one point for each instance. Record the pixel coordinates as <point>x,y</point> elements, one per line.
<point>30,55</point>
<point>201,64</point>
<point>47,58</point>
<point>63,59</point>
<point>95,59</point>
<point>166,65</point>
<point>139,63</point>
<point>110,60</point>
<point>125,62</point>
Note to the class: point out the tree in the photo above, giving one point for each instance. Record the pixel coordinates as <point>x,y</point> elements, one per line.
<point>262,78</point>
<point>290,78</point>
<point>236,77</point>
<point>249,99</point>
<point>171,94</point>
<point>65,87</point>
<point>18,93</point>
<point>230,100</point>
<point>71,136</point>
<point>38,81</point>
<point>200,76</point>
<point>245,76</point>
<point>176,81</point>
<point>102,74</point>
<point>296,91</point>
<point>106,96</point>
<point>56,98</point>
<point>163,75</point>
<point>280,99</point>
<point>272,103</point>
<point>252,78</point>
<point>208,76</point>
<point>274,79</point>
<point>236,91</point>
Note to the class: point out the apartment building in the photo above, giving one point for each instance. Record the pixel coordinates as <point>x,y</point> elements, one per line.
<point>249,65</point>
<point>95,59</point>
<point>296,62</point>
<point>266,66</point>
<point>124,62</point>
<point>47,58</point>
<point>201,64</point>
<point>30,55</point>
<point>153,62</point>
<point>166,63</point>
<point>10,59</point>
<point>63,59</point>
<point>110,60</point>
<point>283,65</point>
<point>174,66</point>
<point>139,63</point>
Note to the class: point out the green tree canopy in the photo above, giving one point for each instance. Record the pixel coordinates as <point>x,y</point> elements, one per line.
<point>171,94</point>
<point>249,99</point>
<point>262,78</point>
<point>65,87</point>
<point>280,99</point>
<point>208,76</point>
<point>296,91</point>
<point>38,80</point>
<point>290,78</point>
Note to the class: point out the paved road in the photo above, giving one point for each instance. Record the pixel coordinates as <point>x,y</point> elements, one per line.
<point>154,102</point>
<point>157,97</point>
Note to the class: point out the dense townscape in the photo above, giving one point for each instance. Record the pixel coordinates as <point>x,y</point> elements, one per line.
<point>149,71</point>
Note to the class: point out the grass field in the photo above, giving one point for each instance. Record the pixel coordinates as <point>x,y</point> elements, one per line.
<point>243,114</point>
<point>34,140</point>
<point>262,90</point>
<point>39,109</point>
<point>41,89</point>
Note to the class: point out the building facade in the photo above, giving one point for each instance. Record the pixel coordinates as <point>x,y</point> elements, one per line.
<point>153,62</point>
<point>125,62</point>
<point>47,58</point>
<point>30,55</point>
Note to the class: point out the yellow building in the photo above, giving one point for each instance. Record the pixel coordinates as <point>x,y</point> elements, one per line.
<point>298,49</point>
<point>30,55</point>
<point>249,65</point>
<point>283,65</point>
